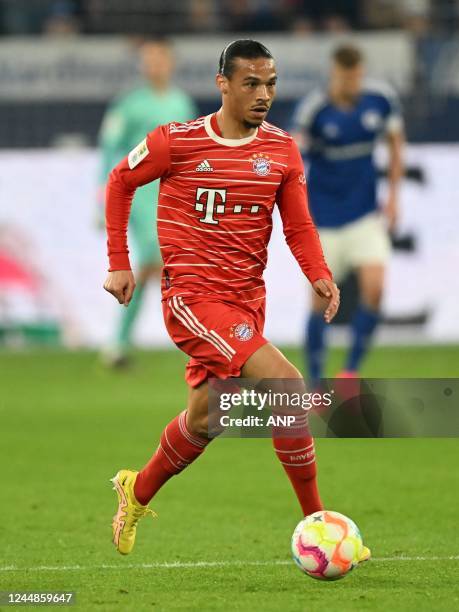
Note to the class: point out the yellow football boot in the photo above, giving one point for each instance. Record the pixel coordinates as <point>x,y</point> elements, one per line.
<point>125,521</point>
<point>365,555</point>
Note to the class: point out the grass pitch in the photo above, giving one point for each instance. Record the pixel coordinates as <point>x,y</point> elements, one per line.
<point>222,538</point>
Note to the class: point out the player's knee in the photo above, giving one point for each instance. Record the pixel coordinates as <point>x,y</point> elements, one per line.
<point>198,424</point>
<point>282,371</point>
<point>372,299</point>
<point>288,370</point>
<point>197,413</point>
<point>269,362</point>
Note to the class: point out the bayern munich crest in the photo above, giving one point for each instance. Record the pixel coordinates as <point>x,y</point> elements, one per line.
<point>242,332</point>
<point>261,164</point>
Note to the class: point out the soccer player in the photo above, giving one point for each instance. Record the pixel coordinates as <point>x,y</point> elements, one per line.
<point>221,176</point>
<point>126,122</point>
<point>339,129</point>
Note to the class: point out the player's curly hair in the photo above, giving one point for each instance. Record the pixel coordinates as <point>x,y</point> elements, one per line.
<point>245,48</point>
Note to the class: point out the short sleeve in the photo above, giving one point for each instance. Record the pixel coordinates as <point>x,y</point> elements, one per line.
<point>306,112</point>
<point>394,118</point>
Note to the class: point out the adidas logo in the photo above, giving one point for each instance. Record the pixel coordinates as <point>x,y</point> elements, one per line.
<point>204,167</point>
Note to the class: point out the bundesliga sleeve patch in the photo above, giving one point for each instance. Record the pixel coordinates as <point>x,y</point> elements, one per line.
<point>138,154</point>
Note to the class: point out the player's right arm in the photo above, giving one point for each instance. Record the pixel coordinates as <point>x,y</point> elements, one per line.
<point>112,141</point>
<point>147,162</point>
<point>303,119</point>
<point>112,138</point>
<point>395,141</point>
<point>298,130</point>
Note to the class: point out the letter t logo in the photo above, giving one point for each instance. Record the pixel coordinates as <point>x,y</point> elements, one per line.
<point>210,207</point>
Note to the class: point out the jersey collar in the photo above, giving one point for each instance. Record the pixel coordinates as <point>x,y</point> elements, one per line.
<point>211,120</point>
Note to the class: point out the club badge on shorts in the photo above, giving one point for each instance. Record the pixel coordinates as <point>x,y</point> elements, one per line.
<point>260,164</point>
<point>241,331</point>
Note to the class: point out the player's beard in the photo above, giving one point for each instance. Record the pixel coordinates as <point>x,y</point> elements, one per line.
<point>250,125</point>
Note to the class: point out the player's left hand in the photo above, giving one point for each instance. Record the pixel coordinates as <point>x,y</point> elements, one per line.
<point>391,211</point>
<point>328,290</point>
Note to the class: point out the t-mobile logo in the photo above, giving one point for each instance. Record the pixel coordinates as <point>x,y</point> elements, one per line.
<point>210,205</point>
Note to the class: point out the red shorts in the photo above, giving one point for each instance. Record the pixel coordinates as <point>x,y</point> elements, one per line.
<point>218,336</point>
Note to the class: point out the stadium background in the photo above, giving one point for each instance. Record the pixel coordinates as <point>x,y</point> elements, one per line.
<point>61,61</point>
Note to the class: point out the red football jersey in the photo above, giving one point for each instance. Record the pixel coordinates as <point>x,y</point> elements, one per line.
<point>215,208</point>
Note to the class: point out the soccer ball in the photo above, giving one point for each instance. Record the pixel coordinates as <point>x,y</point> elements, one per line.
<point>326,545</point>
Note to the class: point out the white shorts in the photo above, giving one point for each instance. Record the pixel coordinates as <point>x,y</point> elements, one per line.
<point>364,241</point>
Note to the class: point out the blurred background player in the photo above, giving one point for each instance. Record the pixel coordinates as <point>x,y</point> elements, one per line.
<point>339,129</point>
<point>125,124</point>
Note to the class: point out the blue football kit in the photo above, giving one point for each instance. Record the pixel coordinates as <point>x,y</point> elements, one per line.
<point>342,178</point>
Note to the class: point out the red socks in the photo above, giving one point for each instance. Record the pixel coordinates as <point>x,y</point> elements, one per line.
<point>298,460</point>
<point>177,449</point>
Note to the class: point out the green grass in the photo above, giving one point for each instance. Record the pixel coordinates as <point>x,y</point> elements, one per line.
<point>67,426</point>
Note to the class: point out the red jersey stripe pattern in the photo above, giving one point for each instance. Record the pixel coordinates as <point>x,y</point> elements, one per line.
<point>215,208</point>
